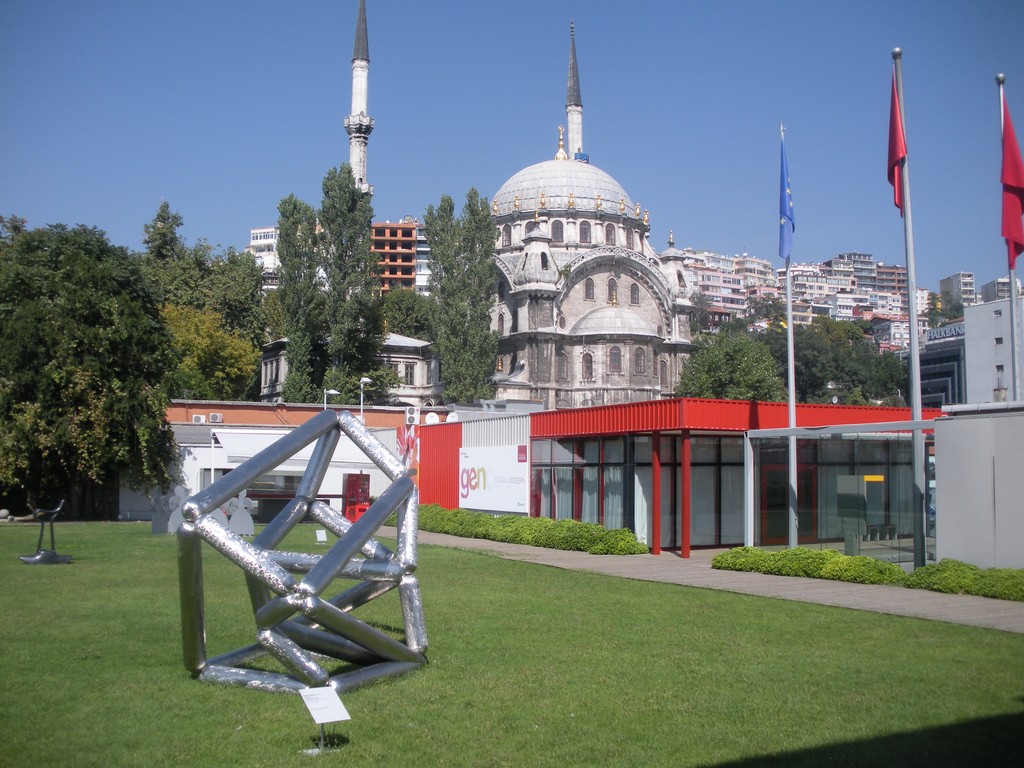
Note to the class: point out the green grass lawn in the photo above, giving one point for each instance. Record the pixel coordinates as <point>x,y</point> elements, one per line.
<point>529,666</point>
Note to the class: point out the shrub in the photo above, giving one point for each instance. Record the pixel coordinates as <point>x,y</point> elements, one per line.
<point>1001,583</point>
<point>801,561</point>
<point>863,570</point>
<point>741,559</point>
<point>539,532</point>
<point>952,576</point>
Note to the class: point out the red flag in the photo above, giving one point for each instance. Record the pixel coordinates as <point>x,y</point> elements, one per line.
<point>897,147</point>
<point>1013,191</point>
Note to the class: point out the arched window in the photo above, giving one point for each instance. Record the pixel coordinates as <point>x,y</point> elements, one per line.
<point>615,360</point>
<point>530,226</point>
<point>609,234</point>
<point>557,232</point>
<point>639,361</point>
<point>588,367</point>
<point>629,239</point>
<point>613,291</point>
<point>563,366</point>
<point>501,323</point>
<point>584,231</point>
<point>634,294</point>
<point>506,236</point>
<point>663,369</point>
<point>679,280</point>
<point>588,289</point>
<point>543,260</point>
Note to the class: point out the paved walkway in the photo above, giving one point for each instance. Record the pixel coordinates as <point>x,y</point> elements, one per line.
<point>1005,615</point>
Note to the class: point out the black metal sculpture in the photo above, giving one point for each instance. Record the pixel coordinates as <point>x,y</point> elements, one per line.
<point>46,556</point>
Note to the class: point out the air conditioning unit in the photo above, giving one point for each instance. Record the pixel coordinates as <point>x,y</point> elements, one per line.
<point>199,419</point>
<point>412,416</point>
<point>216,418</point>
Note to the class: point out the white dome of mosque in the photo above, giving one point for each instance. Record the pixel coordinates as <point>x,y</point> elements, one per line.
<point>557,180</point>
<point>613,320</point>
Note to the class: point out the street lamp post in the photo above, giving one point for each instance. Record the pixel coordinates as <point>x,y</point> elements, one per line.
<point>362,383</point>
<point>329,392</point>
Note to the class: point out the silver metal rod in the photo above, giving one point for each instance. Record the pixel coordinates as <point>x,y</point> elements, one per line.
<point>190,586</point>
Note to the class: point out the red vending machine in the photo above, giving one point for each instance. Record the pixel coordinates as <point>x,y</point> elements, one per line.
<point>356,496</point>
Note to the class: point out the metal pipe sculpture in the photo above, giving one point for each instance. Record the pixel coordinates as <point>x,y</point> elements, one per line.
<point>295,624</point>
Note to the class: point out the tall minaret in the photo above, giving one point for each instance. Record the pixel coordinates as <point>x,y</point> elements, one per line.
<point>359,124</point>
<point>573,100</point>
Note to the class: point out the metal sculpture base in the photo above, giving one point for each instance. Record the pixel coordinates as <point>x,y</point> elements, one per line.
<point>295,624</point>
<point>45,557</point>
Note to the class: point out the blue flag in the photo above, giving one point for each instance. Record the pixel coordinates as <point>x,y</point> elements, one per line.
<point>787,223</point>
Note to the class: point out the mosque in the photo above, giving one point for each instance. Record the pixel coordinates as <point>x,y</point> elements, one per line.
<point>586,313</point>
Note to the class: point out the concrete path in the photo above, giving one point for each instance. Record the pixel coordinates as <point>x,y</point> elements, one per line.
<point>1005,615</point>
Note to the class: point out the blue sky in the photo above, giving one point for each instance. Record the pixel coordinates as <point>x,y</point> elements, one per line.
<point>223,108</point>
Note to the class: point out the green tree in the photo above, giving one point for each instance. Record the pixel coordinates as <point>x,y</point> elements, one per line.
<point>83,355</point>
<point>194,277</point>
<point>731,366</point>
<point>355,313</point>
<point>700,320</point>
<point>215,363</point>
<point>330,292</point>
<point>463,282</point>
<point>303,300</point>
<point>410,314</point>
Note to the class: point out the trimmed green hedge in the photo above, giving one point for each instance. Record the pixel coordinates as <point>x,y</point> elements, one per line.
<point>950,576</point>
<point>536,531</point>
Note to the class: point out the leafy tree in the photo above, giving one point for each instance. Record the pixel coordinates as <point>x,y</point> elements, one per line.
<point>302,299</point>
<point>162,240</point>
<point>215,364</point>
<point>354,310</point>
<point>329,288</point>
<point>410,314</point>
<point>83,355</point>
<point>463,283</point>
<point>273,313</point>
<point>228,285</point>
<point>702,305</point>
<point>731,366</point>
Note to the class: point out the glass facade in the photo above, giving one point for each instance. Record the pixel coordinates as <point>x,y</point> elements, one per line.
<point>854,491</point>
<point>855,494</point>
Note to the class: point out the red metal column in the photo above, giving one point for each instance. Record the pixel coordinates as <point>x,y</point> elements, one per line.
<point>656,493</point>
<point>684,527</point>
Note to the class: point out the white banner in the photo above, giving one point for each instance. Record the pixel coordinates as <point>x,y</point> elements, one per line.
<point>495,479</point>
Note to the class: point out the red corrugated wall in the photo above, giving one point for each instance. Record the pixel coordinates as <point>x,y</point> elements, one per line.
<point>695,413</point>
<point>438,472</point>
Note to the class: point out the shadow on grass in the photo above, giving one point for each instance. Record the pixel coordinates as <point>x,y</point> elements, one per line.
<point>992,741</point>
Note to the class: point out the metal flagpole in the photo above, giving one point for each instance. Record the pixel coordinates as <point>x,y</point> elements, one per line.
<point>915,360</point>
<point>1015,335</point>
<point>793,526</point>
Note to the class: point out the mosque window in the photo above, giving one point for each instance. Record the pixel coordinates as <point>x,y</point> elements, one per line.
<point>501,323</point>
<point>588,367</point>
<point>629,239</point>
<point>615,360</point>
<point>588,289</point>
<point>584,231</point>
<point>543,260</point>
<point>663,369</point>
<point>530,226</point>
<point>563,366</point>
<point>609,234</point>
<point>613,290</point>
<point>506,236</point>
<point>639,362</point>
<point>557,232</point>
<point>680,280</point>
<point>634,294</point>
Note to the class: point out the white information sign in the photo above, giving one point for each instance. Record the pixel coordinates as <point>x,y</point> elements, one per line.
<point>324,705</point>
